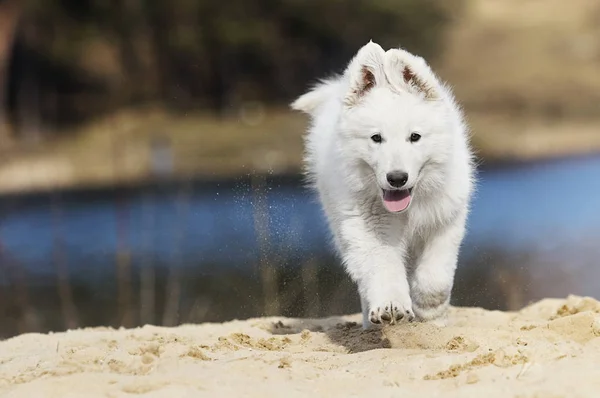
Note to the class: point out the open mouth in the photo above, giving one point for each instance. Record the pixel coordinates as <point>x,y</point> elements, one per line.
<point>397,200</point>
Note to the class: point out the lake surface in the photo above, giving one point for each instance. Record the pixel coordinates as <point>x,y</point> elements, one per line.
<point>539,221</point>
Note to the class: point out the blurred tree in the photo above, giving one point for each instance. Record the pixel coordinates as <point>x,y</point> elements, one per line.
<point>10,11</point>
<point>189,53</point>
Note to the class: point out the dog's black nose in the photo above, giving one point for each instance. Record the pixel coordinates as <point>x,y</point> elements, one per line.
<point>397,179</point>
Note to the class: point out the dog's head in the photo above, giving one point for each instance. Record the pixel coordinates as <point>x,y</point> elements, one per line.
<point>396,123</point>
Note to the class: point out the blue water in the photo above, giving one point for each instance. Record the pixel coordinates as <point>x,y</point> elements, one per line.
<point>523,205</point>
<point>541,206</point>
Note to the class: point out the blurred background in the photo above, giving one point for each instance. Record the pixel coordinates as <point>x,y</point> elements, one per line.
<point>150,165</point>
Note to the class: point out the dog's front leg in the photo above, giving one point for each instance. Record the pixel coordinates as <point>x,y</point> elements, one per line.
<point>433,277</point>
<point>378,269</point>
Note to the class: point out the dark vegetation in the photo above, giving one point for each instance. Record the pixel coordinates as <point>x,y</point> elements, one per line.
<point>77,59</point>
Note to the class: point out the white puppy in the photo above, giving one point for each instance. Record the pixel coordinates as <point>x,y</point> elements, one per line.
<point>388,153</point>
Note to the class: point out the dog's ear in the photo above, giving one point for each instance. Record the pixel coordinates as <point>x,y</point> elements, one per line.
<point>364,72</point>
<point>408,72</point>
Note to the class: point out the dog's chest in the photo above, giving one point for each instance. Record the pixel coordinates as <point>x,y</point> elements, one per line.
<point>399,232</point>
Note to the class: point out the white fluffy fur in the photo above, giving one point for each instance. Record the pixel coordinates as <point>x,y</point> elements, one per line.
<point>403,263</point>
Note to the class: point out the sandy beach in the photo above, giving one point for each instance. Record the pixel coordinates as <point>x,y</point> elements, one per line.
<point>548,349</point>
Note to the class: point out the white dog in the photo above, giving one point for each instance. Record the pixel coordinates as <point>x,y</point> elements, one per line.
<point>389,155</point>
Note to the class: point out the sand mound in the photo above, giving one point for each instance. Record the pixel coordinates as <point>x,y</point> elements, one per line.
<point>549,349</point>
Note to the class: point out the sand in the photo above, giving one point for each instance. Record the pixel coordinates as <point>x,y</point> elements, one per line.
<point>548,349</point>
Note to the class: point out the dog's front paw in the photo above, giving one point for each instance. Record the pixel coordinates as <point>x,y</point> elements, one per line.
<point>391,312</point>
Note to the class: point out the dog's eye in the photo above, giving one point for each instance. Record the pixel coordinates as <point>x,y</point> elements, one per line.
<point>376,138</point>
<point>414,137</point>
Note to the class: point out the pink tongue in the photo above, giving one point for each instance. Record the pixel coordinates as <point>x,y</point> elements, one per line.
<point>396,201</point>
